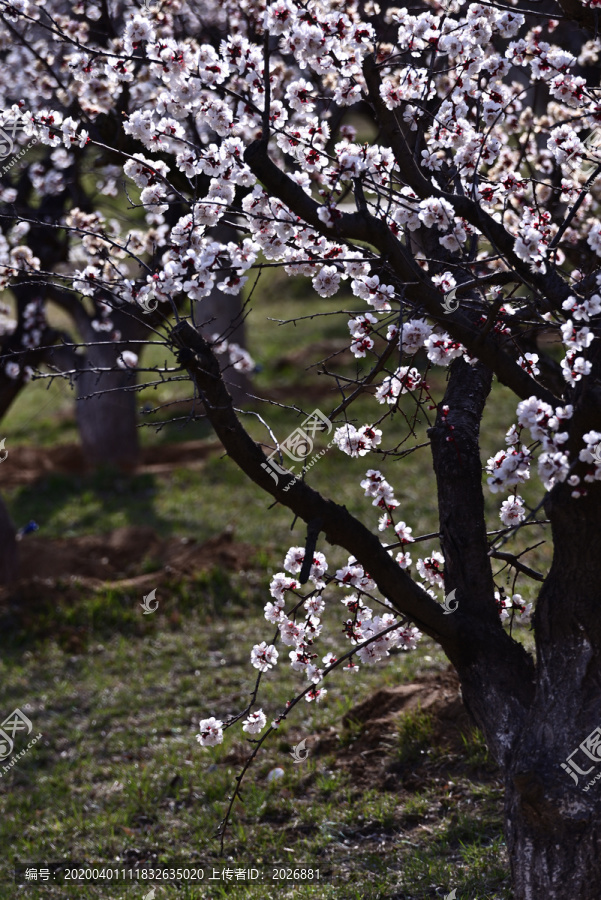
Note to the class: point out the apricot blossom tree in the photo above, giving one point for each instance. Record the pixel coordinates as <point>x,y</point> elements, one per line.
<point>467,230</point>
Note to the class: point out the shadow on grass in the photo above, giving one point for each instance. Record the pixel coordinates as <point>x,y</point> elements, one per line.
<point>72,615</point>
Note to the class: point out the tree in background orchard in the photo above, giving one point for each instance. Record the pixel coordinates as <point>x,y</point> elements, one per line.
<point>467,229</point>
<point>75,182</point>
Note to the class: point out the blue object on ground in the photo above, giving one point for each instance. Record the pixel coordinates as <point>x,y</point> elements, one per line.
<point>27,529</point>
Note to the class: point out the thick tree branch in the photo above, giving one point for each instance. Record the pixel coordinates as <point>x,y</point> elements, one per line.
<point>488,648</point>
<point>338,525</point>
<point>456,457</point>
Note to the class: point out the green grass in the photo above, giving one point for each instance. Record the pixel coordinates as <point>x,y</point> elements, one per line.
<point>118,771</point>
<point>415,735</point>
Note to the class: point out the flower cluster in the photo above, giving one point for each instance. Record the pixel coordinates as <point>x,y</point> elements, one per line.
<point>512,511</point>
<point>512,466</point>
<point>404,380</point>
<point>357,441</point>
<point>509,606</point>
<point>591,456</point>
<point>239,358</point>
<point>508,467</point>
<point>300,627</point>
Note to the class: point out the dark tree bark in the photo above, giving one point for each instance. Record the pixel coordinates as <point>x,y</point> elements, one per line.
<point>107,421</point>
<point>550,825</point>
<point>553,818</point>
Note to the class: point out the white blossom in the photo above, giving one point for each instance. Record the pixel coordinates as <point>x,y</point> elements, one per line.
<point>210,732</point>
<point>255,722</point>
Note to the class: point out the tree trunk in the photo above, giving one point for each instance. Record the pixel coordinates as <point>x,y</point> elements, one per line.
<point>9,557</point>
<point>553,811</point>
<point>536,717</point>
<point>223,314</point>
<point>106,410</point>
<point>107,422</point>
<point>552,857</point>
<point>542,721</point>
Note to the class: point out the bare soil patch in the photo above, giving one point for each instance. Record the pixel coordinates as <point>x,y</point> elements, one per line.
<point>118,556</point>
<point>368,736</point>
<point>47,600</point>
<point>25,464</point>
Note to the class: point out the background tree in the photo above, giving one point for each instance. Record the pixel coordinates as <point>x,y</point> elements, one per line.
<point>78,186</point>
<point>465,218</point>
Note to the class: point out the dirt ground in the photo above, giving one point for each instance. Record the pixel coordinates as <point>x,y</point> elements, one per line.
<point>47,595</point>
<point>53,568</point>
<point>377,721</point>
<point>26,464</point>
<point>375,724</point>
<point>118,556</point>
